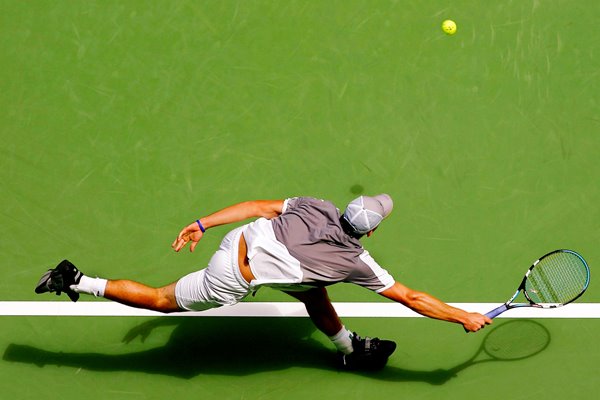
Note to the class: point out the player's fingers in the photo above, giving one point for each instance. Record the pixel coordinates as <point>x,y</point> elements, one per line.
<point>193,246</point>
<point>185,231</point>
<point>180,244</point>
<point>474,326</point>
<point>177,241</point>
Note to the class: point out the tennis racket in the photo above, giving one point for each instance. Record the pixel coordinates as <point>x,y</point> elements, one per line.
<point>556,279</point>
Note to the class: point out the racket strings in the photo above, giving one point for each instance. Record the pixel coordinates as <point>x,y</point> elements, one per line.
<point>558,278</point>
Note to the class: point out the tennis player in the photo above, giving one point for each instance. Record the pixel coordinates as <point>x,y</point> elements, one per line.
<point>299,245</point>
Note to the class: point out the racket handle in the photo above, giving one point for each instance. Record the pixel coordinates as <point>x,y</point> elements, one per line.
<point>497,311</point>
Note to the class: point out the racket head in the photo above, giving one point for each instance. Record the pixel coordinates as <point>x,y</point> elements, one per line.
<point>556,279</point>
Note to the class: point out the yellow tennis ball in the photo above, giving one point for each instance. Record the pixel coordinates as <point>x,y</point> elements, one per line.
<point>449,27</point>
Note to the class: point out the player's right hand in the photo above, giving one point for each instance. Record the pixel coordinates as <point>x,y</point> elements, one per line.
<point>475,322</point>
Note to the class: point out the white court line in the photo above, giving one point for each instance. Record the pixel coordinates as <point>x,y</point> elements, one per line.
<point>279,309</point>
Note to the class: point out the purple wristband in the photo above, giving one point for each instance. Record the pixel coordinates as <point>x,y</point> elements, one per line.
<point>200,226</point>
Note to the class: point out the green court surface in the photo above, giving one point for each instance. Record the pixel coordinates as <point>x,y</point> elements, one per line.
<point>121,122</point>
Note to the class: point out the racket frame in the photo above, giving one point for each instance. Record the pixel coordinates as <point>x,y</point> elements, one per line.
<point>509,304</point>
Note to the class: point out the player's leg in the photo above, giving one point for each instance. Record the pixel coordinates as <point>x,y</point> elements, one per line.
<point>320,310</point>
<point>323,315</point>
<point>354,352</point>
<point>218,284</point>
<point>70,280</point>
<point>138,295</point>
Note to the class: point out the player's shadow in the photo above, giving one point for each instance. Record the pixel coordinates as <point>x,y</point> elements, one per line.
<point>198,346</point>
<point>243,346</point>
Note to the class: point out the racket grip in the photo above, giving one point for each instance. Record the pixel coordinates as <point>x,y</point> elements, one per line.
<point>497,311</point>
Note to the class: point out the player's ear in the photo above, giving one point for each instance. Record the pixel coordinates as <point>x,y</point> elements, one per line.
<point>371,232</point>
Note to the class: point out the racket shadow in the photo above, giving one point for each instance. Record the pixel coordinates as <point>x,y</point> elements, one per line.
<point>511,341</point>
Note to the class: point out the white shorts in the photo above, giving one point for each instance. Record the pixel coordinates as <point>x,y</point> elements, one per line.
<point>219,284</point>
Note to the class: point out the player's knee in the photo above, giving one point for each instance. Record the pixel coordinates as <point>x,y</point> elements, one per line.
<point>164,301</point>
<point>165,305</point>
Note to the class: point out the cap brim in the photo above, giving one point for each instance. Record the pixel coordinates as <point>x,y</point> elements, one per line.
<point>386,202</point>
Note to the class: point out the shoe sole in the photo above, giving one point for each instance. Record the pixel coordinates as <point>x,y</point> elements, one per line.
<point>62,268</point>
<point>42,286</point>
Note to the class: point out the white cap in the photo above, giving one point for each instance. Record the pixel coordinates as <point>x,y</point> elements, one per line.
<point>365,212</point>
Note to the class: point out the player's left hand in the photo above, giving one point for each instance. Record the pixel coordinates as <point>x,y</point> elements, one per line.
<point>190,233</point>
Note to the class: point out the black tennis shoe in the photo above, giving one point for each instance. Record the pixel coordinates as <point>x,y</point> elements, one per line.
<point>60,279</point>
<point>369,354</point>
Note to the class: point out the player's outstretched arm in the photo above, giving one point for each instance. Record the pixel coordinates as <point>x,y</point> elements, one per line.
<point>235,213</point>
<point>431,307</point>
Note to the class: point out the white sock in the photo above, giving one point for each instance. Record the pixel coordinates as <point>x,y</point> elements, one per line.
<point>94,286</point>
<point>343,340</point>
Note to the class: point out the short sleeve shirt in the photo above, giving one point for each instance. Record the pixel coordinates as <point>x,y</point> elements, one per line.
<point>306,246</point>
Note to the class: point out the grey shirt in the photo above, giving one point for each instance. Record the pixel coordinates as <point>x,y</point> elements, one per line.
<point>306,246</point>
